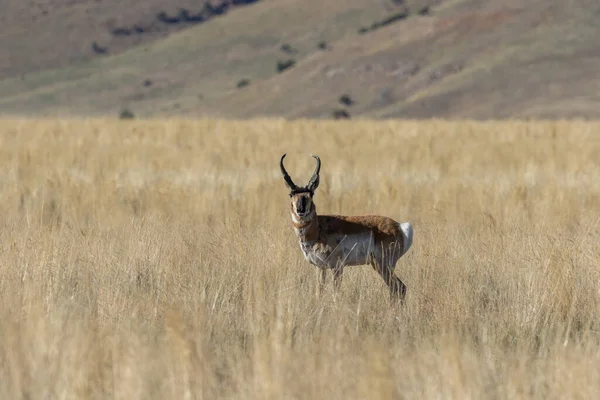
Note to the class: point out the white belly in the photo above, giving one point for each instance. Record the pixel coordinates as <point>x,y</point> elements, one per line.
<point>356,249</point>
<point>349,250</point>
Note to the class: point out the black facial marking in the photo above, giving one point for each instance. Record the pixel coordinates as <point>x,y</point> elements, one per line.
<point>301,190</point>
<point>301,205</point>
<point>302,200</point>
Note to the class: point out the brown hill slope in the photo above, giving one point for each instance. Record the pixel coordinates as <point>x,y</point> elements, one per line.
<point>41,34</point>
<point>534,60</point>
<point>476,59</point>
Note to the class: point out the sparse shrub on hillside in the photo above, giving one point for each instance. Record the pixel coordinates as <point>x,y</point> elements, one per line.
<point>286,64</point>
<point>286,48</point>
<point>121,31</point>
<point>186,16</point>
<point>399,16</point>
<point>126,114</point>
<point>210,10</point>
<point>424,10</point>
<point>124,31</point>
<point>322,45</point>
<point>147,82</point>
<point>341,114</point>
<point>207,12</point>
<point>165,18</point>
<point>96,48</point>
<point>393,18</point>
<point>346,100</point>
<point>243,83</point>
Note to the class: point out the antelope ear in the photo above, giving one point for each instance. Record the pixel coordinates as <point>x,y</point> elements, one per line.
<point>313,185</point>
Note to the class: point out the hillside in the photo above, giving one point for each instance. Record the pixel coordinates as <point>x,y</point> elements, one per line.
<point>384,59</point>
<point>43,34</point>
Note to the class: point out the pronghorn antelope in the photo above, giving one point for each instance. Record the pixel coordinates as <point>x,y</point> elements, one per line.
<point>335,241</point>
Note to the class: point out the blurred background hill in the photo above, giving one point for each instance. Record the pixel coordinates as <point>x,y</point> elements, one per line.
<point>301,58</point>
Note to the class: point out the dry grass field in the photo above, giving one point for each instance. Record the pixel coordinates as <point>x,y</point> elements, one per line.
<point>156,260</point>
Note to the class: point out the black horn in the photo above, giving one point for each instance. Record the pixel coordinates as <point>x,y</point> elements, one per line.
<point>288,181</point>
<point>314,180</point>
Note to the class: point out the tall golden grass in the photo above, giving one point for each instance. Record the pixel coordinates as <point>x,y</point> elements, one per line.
<point>156,259</point>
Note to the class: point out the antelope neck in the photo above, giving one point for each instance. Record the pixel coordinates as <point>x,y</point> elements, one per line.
<point>307,228</point>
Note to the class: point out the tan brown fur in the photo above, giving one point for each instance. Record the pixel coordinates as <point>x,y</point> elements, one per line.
<point>335,241</point>
<point>385,229</point>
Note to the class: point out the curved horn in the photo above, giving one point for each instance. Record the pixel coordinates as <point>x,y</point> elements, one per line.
<point>288,181</point>
<point>314,180</point>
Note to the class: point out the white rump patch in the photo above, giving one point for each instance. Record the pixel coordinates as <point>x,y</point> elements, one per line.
<point>407,231</point>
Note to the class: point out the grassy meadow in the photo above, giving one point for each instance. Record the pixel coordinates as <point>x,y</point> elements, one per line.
<point>156,260</point>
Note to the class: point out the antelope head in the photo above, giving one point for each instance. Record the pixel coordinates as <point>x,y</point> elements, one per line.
<point>302,196</point>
